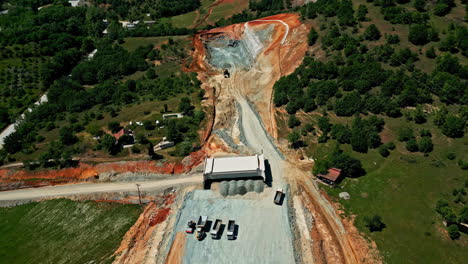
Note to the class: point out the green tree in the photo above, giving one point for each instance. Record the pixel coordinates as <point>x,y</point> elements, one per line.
<point>419,34</point>
<point>412,145</point>
<point>425,145</point>
<point>172,132</point>
<point>312,37</point>
<point>453,126</point>
<point>67,137</point>
<point>185,106</point>
<point>361,13</point>
<point>420,5</point>
<point>293,121</point>
<point>372,33</point>
<point>453,231</point>
<point>294,139</point>
<point>94,130</point>
<point>383,151</point>
<point>341,133</point>
<point>114,126</point>
<point>430,53</point>
<point>419,116</point>
<point>109,143</point>
<point>405,134</point>
<point>324,124</point>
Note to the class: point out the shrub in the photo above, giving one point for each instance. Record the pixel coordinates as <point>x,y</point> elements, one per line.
<point>383,151</point>
<point>451,156</point>
<point>453,231</point>
<point>391,145</point>
<point>374,223</point>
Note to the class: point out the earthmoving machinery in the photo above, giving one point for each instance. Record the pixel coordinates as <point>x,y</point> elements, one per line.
<point>190,227</point>
<point>278,196</point>
<point>201,225</point>
<point>226,73</point>
<point>216,229</point>
<point>231,229</point>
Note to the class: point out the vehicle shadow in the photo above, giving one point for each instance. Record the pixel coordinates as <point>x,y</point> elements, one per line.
<point>268,176</point>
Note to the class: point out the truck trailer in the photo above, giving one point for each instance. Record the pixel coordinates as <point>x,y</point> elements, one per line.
<point>201,225</point>
<point>231,229</point>
<point>216,229</point>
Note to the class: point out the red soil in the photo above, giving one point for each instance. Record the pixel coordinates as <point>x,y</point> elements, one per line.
<point>13,178</point>
<point>160,216</point>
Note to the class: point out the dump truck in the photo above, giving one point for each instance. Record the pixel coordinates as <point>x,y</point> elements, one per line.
<point>201,224</point>
<point>231,229</point>
<point>278,196</point>
<point>190,227</point>
<point>216,229</point>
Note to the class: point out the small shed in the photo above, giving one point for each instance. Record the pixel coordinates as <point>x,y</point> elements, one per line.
<point>333,176</point>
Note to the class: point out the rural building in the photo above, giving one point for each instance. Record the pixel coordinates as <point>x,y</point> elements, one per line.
<point>163,144</point>
<point>75,3</point>
<point>226,168</point>
<point>122,132</point>
<point>332,177</point>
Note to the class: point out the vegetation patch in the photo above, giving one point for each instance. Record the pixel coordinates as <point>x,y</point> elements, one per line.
<point>64,231</point>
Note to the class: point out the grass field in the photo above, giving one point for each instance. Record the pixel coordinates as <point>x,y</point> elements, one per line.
<point>403,189</point>
<point>63,231</point>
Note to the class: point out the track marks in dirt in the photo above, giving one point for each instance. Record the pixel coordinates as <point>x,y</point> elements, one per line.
<point>176,253</point>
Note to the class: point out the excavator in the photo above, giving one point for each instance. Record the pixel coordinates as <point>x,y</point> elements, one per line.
<point>226,73</point>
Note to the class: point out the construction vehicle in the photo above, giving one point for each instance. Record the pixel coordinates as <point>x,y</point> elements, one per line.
<point>216,229</point>
<point>231,230</point>
<point>226,73</point>
<point>190,227</point>
<point>201,225</point>
<point>278,196</point>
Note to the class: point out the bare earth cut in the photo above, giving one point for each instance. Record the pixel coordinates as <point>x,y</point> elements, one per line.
<point>256,54</point>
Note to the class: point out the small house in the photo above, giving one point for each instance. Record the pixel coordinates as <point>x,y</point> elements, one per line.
<point>333,176</point>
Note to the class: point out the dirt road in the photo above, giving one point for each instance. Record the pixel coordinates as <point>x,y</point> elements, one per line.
<point>87,188</point>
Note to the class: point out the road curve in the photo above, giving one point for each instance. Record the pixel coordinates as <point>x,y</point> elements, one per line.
<point>88,188</point>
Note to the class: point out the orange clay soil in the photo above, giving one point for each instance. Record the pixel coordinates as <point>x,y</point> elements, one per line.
<point>136,243</point>
<point>176,253</point>
<point>14,178</point>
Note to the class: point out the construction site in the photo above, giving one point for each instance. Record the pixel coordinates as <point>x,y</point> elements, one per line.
<point>269,208</point>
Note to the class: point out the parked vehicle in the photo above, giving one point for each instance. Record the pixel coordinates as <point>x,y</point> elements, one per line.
<point>201,225</point>
<point>278,196</point>
<point>190,227</point>
<point>231,229</point>
<point>216,229</point>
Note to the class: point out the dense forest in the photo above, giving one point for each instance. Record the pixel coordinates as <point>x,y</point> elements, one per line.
<point>372,79</point>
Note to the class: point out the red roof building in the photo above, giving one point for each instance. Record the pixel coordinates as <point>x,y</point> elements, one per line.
<point>122,132</point>
<point>333,176</point>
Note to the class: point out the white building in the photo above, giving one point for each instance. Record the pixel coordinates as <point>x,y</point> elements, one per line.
<point>234,168</point>
<point>75,3</point>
